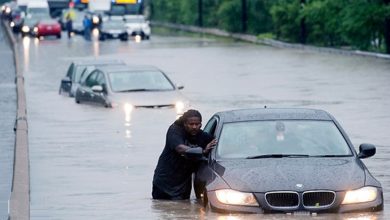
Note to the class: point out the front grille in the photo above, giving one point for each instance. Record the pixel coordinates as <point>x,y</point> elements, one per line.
<point>318,199</point>
<point>282,199</point>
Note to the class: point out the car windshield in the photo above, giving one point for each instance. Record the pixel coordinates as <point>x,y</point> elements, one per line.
<point>113,24</point>
<point>262,139</point>
<point>44,11</point>
<point>139,81</point>
<point>135,20</point>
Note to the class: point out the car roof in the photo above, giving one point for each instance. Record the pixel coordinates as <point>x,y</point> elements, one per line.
<point>97,62</point>
<point>127,68</point>
<point>258,114</point>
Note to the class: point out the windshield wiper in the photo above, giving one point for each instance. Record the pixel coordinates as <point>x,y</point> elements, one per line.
<point>276,156</point>
<point>135,90</point>
<point>330,155</point>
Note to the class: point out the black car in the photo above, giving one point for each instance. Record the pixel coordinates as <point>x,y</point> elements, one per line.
<point>284,161</point>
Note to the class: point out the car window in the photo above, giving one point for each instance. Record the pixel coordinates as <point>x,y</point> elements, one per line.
<point>143,80</point>
<point>78,71</point>
<point>100,79</point>
<point>313,138</point>
<point>210,126</point>
<point>91,79</point>
<point>70,71</point>
<point>85,73</point>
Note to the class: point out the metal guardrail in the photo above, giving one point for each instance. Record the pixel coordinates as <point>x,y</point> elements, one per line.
<point>269,42</point>
<point>19,204</point>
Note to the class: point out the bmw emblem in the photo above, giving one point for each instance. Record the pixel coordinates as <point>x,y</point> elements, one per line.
<point>299,185</point>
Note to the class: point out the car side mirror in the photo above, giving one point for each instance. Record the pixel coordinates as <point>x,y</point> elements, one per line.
<point>366,150</point>
<point>66,80</point>
<point>97,88</point>
<point>195,153</point>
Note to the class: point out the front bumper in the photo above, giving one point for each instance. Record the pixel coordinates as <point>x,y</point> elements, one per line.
<point>264,207</point>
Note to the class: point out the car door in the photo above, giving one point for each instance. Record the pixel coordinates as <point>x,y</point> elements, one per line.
<point>85,92</point>
<point>66,82</point>
<point>100,97</point>
<point>205,173</point>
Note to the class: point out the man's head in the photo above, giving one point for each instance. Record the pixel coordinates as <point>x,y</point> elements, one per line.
<point>192,121</point>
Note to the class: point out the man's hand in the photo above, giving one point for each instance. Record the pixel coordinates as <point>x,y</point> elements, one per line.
<point>210,146</point>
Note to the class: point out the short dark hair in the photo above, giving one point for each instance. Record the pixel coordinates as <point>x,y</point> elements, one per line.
<point>188,114</point>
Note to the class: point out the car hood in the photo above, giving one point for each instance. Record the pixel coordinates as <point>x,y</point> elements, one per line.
<point>271,174</point>
<point>148,98</point>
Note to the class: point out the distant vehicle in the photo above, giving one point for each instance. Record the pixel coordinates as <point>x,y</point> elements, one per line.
<point>284,161</point>
<point>113,28</point>
<point>38,7</point>
<point>30,21</point>
<point>6,10</point>
<point>16,20</point>
<point>137,25</point>
<point>47,27</point>
<point>131,87</point>
<point>77,72</point>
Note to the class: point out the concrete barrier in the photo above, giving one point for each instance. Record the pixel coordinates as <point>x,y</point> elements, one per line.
<point>269,42</point>
<point>19,207</point>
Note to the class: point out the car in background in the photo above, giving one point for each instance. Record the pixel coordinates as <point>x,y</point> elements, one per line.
<point>284,161</point>
<point>6,10</point>
<point>113,28</point>
<point>47,27</point>
<point>130,87</point>
<point>137,25</point>
<point>17,19</point>
<point>78,69</point>
<point>30,21</point>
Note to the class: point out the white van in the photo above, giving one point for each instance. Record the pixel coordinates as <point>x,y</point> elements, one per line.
<point>38,7</point>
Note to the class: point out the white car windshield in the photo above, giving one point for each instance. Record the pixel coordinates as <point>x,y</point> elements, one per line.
<point>139,81</point>
<point>256,139</point>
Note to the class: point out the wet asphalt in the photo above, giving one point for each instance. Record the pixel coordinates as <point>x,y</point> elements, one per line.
<point>88,162</point>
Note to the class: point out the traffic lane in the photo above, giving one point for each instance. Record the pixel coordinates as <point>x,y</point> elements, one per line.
<point>215,79</point>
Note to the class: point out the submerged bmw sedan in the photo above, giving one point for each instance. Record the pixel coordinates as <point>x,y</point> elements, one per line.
<point>284,161</point>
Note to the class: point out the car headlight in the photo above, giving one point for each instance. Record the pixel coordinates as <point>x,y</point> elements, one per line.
<point>365,194</point>
<point>95,19</point>
<point>35,29</point>
<point>12,24</point>
<point>25,29</point>
<point>233,197</point>
<point>7,10</point>
<point>128,107</point>
<point>179,106</point>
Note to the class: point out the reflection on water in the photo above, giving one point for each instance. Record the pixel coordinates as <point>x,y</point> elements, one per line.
<point>26,52</point>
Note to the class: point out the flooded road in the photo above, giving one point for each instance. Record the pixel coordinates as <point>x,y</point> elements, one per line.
<point>88,162</point>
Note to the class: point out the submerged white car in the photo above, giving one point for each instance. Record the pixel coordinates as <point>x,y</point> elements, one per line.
<point>130,87</point>
<point>137,25</point>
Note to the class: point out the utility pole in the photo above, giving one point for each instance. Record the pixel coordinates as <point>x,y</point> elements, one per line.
<point>244,16</point>
<point>303,34</point>
<point>200,13</point>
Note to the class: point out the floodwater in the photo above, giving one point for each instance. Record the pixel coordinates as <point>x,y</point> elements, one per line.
<point>89,162</point>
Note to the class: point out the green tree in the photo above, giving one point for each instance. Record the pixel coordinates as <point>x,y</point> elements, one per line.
<point>229,15</point>
<point>286,20</point>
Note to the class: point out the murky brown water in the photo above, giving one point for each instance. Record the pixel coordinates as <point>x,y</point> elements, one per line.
<point>90,163</point>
